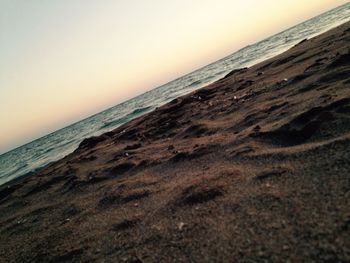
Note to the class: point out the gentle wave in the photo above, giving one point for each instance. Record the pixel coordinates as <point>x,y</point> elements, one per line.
<point>140,110</point>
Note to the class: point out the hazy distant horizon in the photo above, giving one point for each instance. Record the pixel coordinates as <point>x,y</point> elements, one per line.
<point>28,115</point>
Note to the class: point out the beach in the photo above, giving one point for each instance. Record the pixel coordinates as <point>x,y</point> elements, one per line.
<point>251,168</point>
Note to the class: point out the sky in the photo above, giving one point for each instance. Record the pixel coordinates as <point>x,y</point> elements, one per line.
<point>62,61</point>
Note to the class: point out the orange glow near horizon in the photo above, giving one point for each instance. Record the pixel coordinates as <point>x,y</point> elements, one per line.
<point>63,61</point>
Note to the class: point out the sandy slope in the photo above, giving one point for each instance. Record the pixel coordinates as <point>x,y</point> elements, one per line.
<point>252,168</point>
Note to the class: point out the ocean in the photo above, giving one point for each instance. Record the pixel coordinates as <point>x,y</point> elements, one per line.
<point>36,154</point>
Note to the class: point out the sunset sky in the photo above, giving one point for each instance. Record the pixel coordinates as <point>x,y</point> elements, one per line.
<point>61,61</point>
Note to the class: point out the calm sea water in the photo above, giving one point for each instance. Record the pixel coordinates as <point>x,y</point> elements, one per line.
<point>36,154</point>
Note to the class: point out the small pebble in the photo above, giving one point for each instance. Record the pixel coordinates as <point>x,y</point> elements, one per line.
<point>285,247</point>
<point>181,225</point>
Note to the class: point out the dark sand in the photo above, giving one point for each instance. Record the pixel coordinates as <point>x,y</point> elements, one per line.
<point>252,168</point>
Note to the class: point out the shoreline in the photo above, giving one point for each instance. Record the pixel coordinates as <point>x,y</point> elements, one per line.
<point>263,54</point>
<point>251,167</point>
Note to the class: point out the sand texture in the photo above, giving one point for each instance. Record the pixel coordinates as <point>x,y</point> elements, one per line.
<point>252,168</point>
